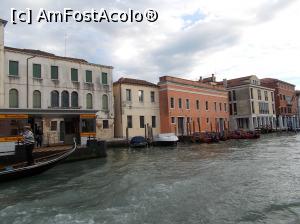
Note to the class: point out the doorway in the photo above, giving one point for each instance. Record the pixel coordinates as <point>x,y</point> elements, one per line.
<point>180,125</point>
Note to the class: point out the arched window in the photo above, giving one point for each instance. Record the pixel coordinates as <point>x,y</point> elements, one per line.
<point>54,99</point>
<point>74,99</point>
<point>36,99</point>
<point>89,101</point>
<point>104,102</point>
<point>65,102</point>
<point>13,98</point>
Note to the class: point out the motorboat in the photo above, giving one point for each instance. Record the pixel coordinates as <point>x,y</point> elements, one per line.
<point>138,142</point>
<point>166,139</point>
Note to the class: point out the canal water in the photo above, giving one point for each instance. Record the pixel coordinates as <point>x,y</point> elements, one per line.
<point>241,181</point>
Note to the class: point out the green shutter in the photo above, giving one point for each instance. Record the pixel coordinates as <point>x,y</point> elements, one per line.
<point>104,78</point>
<point>88,76</point>
<point>14,68</point>
<point>74,75</point>
<point>36,71</point>
<point>54,72</point>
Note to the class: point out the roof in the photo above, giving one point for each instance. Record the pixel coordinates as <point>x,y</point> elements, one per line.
<point>50,55</point>
<point>238,81</point>
<point>274,81</point>
<point>135,82</point>
<point>187,82</point>
<point>4,22</point>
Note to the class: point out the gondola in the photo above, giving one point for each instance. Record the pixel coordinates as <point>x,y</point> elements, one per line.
<point>21,171</point>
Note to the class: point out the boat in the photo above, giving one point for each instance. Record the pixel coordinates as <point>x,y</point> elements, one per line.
<point>210,137</point>
<point>138,142</point>
<point>166,139</point>
<point>22,170</point>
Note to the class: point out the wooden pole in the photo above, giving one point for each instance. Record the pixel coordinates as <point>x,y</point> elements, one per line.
<point>127,133</point>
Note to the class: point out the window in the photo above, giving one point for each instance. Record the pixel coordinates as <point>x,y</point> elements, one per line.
<point>206,105</point>
<point>36,71</point>
<point>14,68</point>
<point>266,96</point>
<point>225,107</point>
<point>128,94</point>
<point>65,102</point>
<point>88,76</point>
<point>197,104</point>
<point>179,103</point>
<point>141,96</point>
<point>229,96</point>
<point>187,102</point>
<point>233,95</point>
<point>230,109</point>
<point>253,109</point>
<point>129,121</point>
<point>54,99</point>
<point>104,78</point>
<point>215,103</point>
<point>153,119</point>
<point>220,106</point>
<point>259,94</point>
<point>172,103</point>
<point>105,124</point>
<point>13,98</point>
<point>87,125</point>
<point>74,99</point>
<point>54,72</point>
<point>272,95</point>
<point>142,121</point>
<point>235,109</point>
<point>53,126</point>
<point>89,101</point>
<point>173,120</point>
<point>36,99</point>
<point>152,96</point>
<point>74,75</point>
<point>104,102</point>
<point>251,93</point>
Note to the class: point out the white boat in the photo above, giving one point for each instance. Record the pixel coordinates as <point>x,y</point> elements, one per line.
<point>165,139</point>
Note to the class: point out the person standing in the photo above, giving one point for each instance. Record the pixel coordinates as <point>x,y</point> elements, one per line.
<point>39,137</point>
<point>28,139</point>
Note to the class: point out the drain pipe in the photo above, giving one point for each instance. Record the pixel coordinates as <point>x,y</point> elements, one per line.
<point>27,77</point>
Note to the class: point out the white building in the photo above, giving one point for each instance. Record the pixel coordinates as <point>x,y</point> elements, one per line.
<point>64,97</point>
<point>136,108</point>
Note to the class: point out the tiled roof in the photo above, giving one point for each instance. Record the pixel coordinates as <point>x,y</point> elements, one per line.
<point>3,21</point>
<point>135,82</point>
<point>274,81</point>
<point>50,55</point>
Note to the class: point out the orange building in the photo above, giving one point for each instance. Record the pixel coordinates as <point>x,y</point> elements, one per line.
<point>189,106</point>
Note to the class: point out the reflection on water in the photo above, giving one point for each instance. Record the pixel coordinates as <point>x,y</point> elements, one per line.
<point>232,182</point>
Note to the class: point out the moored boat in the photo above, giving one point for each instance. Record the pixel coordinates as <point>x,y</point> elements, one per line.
<point>166,139</point>
<point>138,142</point>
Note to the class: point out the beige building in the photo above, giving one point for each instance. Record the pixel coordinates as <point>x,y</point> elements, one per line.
<point>251,105</point>
<point>136,105</point>
<point>64,97</point>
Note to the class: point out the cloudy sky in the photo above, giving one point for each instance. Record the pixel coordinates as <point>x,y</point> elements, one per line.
<point>191,38</point>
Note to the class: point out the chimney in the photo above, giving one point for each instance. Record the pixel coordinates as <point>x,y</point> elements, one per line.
<point>2,71</point>
<point>200,79</point>
<point>213,78</point>
<point>225,83</point>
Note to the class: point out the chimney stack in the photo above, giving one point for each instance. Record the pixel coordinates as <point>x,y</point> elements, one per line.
<point>225,83</point>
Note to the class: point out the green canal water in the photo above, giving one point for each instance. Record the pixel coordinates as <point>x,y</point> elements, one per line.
<point>232,182</point>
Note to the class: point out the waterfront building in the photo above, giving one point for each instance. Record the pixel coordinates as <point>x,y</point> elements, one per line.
<point>64,97</point>
<point>285,103</point>
<point>189,106</point>
<point>136,108</point>
<point>298,107</point>
<point>251,105</point>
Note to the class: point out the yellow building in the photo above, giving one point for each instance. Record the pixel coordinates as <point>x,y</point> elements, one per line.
<point>136,104</point>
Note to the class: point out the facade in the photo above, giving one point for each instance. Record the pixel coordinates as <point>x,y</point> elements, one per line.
<point>187,107</point>
<point>285,103</point>
<point>63,97</point>
<point>298,102</point>
<point>136,108</point>
<point>251,105</point>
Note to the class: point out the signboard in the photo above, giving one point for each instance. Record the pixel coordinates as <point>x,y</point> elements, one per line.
<point>13,116</point>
